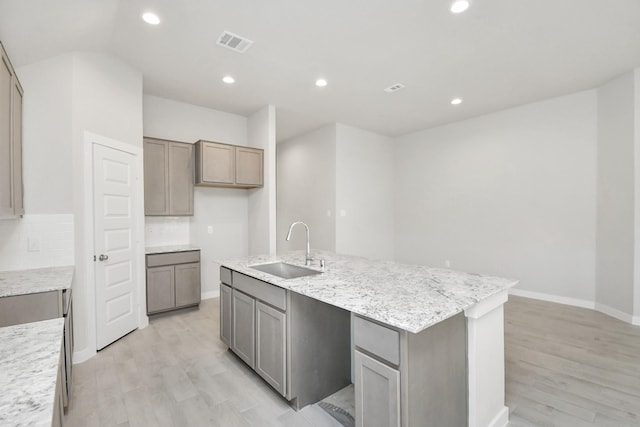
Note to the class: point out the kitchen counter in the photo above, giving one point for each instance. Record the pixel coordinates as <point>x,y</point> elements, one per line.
<point>33,281</point>
<point>409,297</point>
<point>29,357</point>
<point>150,250</point>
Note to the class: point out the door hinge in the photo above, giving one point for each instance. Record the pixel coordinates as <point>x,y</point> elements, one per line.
<point>94,258</point>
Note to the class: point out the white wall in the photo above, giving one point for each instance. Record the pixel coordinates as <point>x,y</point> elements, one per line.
<point>261,128</point>
<point>47,170</point>
<point>636,255</point>
<point>36,241</point>
<point>509,194</point>
<point>364,193</point>
<point>162,231</point>
<point>306,179</point>
<point>106,100</point>
<point>225,210</point>
<point>615,213</point>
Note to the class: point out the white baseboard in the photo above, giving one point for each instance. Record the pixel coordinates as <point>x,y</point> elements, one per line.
<point>83,355</point>
<point>210,294</point>
<point>553,298</point>
<point>501,419</point>
<point>620,315</point>
<point>602,308</point>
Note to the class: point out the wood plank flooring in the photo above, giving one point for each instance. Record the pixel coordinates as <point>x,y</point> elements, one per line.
<point>565,366</point>
<point>569,366</point>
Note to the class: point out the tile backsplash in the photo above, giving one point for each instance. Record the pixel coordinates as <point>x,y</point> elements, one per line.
<point>36,241</point>
<point>159,231</point>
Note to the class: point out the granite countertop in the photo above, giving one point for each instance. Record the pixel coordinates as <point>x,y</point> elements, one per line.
<point>22,282</point>
<point>29,357</point>
<point>150,250</point>
<point>409,297</point>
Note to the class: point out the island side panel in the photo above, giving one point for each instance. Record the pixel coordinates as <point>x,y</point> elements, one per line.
<point>485,342</point>
<point>434,377</point>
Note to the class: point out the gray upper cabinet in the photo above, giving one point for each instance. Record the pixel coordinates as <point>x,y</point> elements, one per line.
<point>224,165</point>
<point>168,178</point>
<point>11,94</point>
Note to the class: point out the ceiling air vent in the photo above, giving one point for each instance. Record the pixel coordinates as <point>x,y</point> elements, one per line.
<point>394,88</point>
<point>234,42</point>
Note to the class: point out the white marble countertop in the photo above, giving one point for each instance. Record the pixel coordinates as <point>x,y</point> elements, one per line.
<point>409,297</point>
<point>150,250</point>
<point>37,280</point>
<point>29,357</point>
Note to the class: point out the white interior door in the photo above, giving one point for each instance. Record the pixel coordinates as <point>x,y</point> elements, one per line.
<point>114,239</point>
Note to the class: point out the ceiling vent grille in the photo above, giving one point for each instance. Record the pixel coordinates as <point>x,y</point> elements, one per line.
<point>394,88</point>
<point>234,42</point>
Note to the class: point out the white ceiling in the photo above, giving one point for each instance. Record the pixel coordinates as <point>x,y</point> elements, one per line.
<point>498,54</point>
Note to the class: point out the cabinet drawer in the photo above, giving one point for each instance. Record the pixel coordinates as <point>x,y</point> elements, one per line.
<point>17,309</point>
<point>377,339</point>
<point>266,292</point>
<point>225,276</point>
<point>173,258</point>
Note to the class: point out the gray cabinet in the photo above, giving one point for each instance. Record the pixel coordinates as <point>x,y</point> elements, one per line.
<point>168,178</point>
<point>173,281</point>
<point>243,329</point>
<point>225,314</point>
<point>225,165</point>
<point>26,308</point>
<point>377,394</point>
<point>271,360</point>
<point>11,94</point>
<point>392,367</point>
<point>298,345</point>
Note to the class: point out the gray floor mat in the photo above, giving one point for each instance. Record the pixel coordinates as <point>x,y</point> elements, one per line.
<point>342,416</point>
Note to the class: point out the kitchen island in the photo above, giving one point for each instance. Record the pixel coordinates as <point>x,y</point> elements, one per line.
<point>432,339</point>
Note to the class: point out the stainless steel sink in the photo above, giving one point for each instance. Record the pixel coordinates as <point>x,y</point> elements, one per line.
<point>284,270</point>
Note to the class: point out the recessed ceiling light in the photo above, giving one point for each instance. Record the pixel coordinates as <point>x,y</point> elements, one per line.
<point>321,82</point>
<point>456,101</point>
<point>459,6</point>
<point>228,80</point>
<point>150,18</point>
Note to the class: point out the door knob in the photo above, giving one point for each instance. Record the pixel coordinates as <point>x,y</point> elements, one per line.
<point>103,257</point>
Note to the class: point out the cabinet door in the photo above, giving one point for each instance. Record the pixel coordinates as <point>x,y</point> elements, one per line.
<point>225,314</point>
<point>243,329</point>
<point>16,128</point>
<point>377,393</point>
<point>218,163</point>
<point>156,177</point>
<point>249,166</point>
<point>187,280</point>
<point>271,358</point>
<point>160,289</point>
<point>180,178</point>
<point>6,169</point>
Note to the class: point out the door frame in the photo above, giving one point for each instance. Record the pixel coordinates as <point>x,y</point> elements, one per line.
<point>90,140</point>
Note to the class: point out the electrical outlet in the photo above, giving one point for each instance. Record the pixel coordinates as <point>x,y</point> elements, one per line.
<point>210,229</point>
<point>447,263</point>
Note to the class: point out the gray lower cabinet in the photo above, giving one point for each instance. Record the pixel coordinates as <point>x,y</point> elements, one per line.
<point>173,281</point>
<point>392,368</point>
<point>225,314</point>
<point>243,329</point>
<point>26,308</point>
<point>298,345</point>
<point>271,361</point>
<point>377,394</point>
<point>168,178</point>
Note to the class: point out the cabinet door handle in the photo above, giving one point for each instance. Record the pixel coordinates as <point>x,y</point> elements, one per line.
<point>103,257</point>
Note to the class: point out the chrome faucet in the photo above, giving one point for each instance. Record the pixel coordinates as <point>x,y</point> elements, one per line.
<point>308,258</point>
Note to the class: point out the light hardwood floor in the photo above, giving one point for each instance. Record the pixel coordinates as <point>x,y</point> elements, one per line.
<point>565,366</point>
